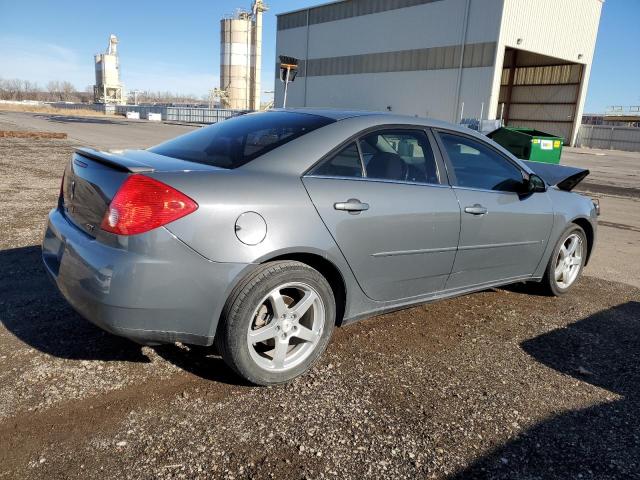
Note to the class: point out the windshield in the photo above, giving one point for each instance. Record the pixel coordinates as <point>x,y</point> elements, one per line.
<point>234,142</point>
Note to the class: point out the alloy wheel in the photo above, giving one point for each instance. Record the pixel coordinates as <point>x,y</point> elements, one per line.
<point>286,326</point>
<point>569,261</point>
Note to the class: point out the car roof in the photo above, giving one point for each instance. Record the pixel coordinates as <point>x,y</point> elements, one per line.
<point>334,114</point>
<point>375,117</point>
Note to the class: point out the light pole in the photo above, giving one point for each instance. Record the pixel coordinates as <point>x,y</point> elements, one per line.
<point>288,72</point>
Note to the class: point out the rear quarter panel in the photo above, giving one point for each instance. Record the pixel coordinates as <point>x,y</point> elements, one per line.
<point>281,200</point>
<point>293,224</point>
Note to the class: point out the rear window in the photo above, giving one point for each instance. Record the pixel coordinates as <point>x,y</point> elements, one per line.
<point>234,142</point>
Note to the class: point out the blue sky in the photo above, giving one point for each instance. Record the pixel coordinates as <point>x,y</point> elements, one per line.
<point>174,46</point>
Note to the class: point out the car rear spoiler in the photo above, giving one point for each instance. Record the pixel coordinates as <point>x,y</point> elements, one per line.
<point>565,178</point>
<point>118,162</point>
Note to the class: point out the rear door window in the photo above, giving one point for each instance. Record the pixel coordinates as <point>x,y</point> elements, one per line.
<point>402,155</point>
<point>235,142</point>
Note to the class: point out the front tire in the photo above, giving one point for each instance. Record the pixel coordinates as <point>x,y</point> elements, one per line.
<point>566,263</point>
<point>277,322</point>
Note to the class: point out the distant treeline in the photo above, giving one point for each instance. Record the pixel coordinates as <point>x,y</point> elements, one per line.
<point>64,91</point>
<point>55,91</point>
<point>166,98</point>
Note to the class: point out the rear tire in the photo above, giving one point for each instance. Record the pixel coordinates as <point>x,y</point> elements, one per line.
<point>566,262</point>
<point>277,322</point>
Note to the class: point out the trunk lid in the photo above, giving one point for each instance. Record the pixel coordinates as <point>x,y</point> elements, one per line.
<point>92,178</point>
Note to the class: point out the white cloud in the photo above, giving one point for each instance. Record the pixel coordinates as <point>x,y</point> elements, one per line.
<point>41,62</point>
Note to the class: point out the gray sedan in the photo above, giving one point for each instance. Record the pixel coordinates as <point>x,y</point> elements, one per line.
<point>263,232</point>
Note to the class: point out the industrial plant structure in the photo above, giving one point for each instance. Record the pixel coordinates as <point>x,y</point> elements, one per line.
<point>108,88</point>
<point>240,57</point>
<point>526,61</point>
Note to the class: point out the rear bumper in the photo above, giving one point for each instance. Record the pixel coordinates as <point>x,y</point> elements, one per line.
<point>150,288</point>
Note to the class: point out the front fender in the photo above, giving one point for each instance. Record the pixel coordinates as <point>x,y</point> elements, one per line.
<point>568,208</point>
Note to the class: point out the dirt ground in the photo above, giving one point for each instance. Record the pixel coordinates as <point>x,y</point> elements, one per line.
<point>499,384</point>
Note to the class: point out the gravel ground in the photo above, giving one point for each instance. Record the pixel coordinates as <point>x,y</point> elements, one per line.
<point>499,384</point>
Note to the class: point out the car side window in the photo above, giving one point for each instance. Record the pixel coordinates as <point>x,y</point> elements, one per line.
<point>478,166</point>
<point>402,155</point>
<point>345,163</point>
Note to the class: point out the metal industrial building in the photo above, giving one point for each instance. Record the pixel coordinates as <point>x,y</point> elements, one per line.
<point>527,61</point>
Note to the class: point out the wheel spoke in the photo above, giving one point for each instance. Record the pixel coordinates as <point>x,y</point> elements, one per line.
<point>277,303</point>
<point>563,252</point>
<point>566,275</point>
<point>306,334</point>
<point>280,352</point>
<point>558,272</point>
<point>300,308</point>
<point>264,333</point>
<point>575,261</point>
<point>573,244</point>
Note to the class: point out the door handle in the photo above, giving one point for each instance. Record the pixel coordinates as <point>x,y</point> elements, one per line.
<point>353,206</point>
<point>476,209</point>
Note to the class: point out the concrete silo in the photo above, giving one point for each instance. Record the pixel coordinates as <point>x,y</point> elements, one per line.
<point>108,88</point>
<point>240,57</point>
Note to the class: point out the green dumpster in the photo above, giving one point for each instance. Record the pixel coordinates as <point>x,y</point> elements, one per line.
<point>529,144</point>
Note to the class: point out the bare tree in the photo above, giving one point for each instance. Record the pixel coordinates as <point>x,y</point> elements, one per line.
<point>68,92</point>
<point>14,89</point>
<point>55,93</point>
<point>31,90</point>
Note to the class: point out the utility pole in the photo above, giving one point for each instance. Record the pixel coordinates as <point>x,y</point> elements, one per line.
<point>135,96</point>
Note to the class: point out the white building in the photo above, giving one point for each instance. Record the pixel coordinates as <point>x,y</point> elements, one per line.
<point>528,60</point>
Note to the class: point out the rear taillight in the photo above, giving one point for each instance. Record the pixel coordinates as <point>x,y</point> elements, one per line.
<point>142,204</point>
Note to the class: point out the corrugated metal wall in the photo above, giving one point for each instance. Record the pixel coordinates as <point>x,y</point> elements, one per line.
<point>610,138</point>
<point>341,10</point>
<point>436,58</point>
<point>562,28</point>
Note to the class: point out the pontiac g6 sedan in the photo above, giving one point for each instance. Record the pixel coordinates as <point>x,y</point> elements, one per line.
<point>262,232</point>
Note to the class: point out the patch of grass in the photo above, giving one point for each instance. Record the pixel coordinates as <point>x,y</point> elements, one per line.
<point>31,134</point>
<point>52,110</point>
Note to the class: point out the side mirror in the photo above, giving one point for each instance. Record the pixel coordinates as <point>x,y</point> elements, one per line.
<point>532,183</point>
